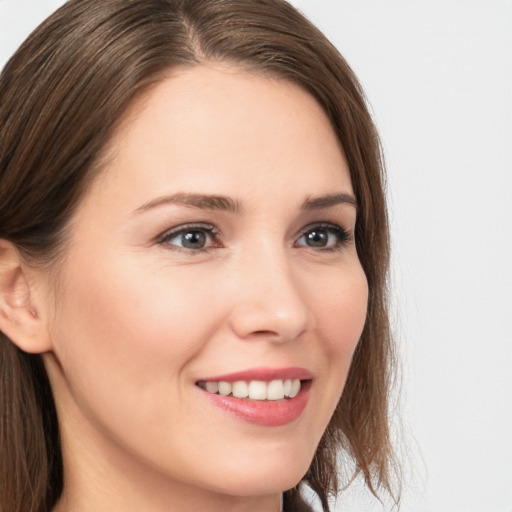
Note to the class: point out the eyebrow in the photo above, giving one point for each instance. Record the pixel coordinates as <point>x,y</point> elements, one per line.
<point>223,203</point>
<point>201,201</point>
<point>317,203</point>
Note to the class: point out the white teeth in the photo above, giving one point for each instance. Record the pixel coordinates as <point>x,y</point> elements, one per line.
<point>275,390</point>
<point>212,387</point>
<point>240,389</point>
<point>295,388</point>
<point>255,389</point>
<point>287,387</point>
<point>224,388</point>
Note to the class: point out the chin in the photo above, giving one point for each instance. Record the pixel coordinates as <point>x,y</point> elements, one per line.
<point>259,477</point>
<point>260,485</point>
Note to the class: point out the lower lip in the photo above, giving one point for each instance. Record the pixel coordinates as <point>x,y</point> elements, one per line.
<point>266,413</point>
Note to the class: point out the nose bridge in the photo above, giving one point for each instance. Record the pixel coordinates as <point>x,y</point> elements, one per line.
<point>269,298</point>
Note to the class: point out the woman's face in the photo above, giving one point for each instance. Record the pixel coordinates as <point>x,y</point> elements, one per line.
<point>216,246</point>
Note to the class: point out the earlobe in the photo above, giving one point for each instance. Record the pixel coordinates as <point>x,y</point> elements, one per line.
<point>20,319</point>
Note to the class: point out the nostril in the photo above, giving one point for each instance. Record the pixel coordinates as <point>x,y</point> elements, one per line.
<point>264,333</point>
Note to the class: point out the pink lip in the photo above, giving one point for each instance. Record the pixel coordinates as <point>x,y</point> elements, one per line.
<point>266,413</point>
<point>265,374</point>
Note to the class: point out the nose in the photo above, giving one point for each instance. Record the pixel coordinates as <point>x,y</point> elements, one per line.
<point>268,300</point>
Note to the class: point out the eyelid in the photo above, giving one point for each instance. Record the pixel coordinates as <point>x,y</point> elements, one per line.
<point>344,235</point>
<point>210,229</point>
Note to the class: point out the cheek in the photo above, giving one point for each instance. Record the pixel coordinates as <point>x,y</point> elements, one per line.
<point>340,315</point>
<point>340,312</point>
<point>130,323</point>
<point>124,340</point>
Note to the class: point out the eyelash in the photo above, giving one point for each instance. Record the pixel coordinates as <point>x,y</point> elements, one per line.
<point>211,232</point>
<point>343,236</point>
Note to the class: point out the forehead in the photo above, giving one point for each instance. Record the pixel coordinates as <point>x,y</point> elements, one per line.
<point>224,129</point>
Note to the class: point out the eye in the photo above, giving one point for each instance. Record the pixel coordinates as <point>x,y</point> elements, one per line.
<point>196,237</point>
<point>324,236</point>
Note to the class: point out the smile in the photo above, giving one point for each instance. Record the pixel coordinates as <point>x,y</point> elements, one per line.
<point>277,389</point>
<point>268,397</point>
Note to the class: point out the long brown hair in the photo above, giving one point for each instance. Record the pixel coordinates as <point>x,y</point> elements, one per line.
<point>60,97</point>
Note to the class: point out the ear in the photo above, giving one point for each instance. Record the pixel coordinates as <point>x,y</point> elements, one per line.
<point>21,320</point>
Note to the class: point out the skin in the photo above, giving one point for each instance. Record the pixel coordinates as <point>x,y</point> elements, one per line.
<point>137,319</point>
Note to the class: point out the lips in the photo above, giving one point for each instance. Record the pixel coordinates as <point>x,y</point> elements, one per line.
<point>262,396</point>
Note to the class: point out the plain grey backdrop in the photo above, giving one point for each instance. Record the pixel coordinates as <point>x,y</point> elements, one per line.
<point>439,81</point>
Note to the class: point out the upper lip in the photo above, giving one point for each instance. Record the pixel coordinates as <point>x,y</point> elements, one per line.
<point>264,374</point>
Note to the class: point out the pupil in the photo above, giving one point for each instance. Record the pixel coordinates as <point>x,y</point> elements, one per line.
<point>317,238</point>
<point>194,240</point>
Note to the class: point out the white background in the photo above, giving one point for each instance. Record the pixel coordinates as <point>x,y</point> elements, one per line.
<point>439,80</point>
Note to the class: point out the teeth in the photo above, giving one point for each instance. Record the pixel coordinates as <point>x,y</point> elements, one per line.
<point>255,389</point>
<point>213,387</point>
<point>287,387</point>
<point>275,390</point>
<point>224,388</point>
<point>240,389</point>
<point>295,388</point>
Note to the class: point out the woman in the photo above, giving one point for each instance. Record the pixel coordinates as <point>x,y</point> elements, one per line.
<point>193,262</point>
